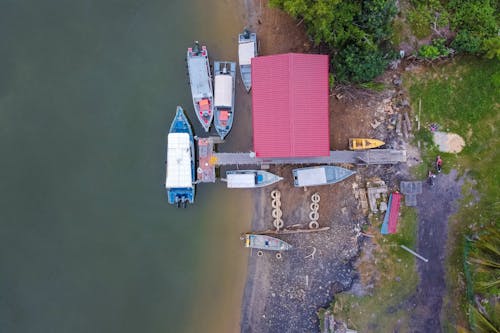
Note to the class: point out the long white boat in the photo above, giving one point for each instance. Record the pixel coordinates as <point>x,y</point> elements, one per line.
<point>263,242</point>
<point>224,77</point>
<point>200,80</point>
<point>320,175</point>
<point>180,175</point>
<point>247,49</point>
<point>250,178</point>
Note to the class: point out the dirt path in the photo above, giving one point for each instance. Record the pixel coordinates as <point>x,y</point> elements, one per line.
<point>435,206</point>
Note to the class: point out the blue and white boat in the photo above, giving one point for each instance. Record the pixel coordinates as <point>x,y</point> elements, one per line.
<point>180,173</point>
<point>225,74</point>
<point>320,175</point>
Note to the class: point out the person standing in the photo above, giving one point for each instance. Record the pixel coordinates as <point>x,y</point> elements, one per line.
<point>439,163</point>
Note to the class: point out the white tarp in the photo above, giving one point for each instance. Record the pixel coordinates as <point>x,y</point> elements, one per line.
<point>223,90</point>
<point>179,161</point>
<point>240,180</point>
<point>310,177</point>
<point>246,51</point>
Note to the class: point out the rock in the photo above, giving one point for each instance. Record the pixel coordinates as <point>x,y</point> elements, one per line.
<point>397,82</point>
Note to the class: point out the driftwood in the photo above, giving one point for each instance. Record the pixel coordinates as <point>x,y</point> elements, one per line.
<point>289,231</point>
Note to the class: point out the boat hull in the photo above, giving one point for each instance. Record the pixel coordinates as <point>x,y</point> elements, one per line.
<point>247,48</point>
<point>320,175</point>
<point>177,194</point>
<point>224,96</point>
<point>362,143</point>
<point>200,80</point>
<point>263,242</point>
<point>250,178</point>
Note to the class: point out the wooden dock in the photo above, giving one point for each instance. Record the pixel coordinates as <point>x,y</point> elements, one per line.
<point>365,157</point>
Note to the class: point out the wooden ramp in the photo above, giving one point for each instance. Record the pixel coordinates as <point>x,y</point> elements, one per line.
<point>373,156</point>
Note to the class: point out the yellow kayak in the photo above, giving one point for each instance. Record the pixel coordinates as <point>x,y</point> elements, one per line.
<point>359,144</point>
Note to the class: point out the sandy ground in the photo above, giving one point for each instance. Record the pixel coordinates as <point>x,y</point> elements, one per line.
<point>283,295</point>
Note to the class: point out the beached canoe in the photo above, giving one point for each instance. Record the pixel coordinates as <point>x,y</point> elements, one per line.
<point>361,144</point>
<point>247,49</point>
<point>200,80</point>
<point>263,242</point>
<point>250,178</point>
<point>320,175</point>
<point>224,79</point>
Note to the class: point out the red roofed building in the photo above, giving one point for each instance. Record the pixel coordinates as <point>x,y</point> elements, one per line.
<point>290,105</point>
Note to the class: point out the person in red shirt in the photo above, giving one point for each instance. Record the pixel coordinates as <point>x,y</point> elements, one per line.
<point>439,163</point>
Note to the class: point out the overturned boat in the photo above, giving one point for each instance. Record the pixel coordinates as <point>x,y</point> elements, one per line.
<point>200,80</point>
<point>247,49</point>
<point>361,143</point>
<point>180,161</point>
<point>250,178</point>
<point>320,175</point>
<point>263,242</point>
<point>224,77</point>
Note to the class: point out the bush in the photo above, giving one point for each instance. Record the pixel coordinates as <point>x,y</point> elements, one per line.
<point>492,47</point>
<point>466,42</point>
<point>420,21</point>
<point>355,64</point>
<point>428,52</point>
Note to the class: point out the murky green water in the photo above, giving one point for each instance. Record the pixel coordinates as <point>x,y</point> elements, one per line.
<point>87,241</point>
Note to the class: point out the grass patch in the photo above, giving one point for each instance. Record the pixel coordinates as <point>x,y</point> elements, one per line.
<point>462,98</point>
<point>392,273</point>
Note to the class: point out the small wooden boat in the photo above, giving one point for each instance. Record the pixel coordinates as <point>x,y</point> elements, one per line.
<point>180,161</point>
<point>224,77</point>
<point>263,242</point>
<point>360,144</point>
<point>250,178</point>
<point>247,49</point>
<point>200,80</point>
<point>320,175</point>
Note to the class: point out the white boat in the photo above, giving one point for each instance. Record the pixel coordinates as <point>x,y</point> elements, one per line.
<point>320,175</point>
<point>263,242</point>
<point>250,178</point>
<point>224,77</point>
<point>247,49</point>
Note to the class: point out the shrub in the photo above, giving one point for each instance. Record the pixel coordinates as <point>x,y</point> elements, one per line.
<point>428,52</point>
<point>356,64</point>
<point>466,42</point>
<point>492,47</point>
<point>420,21</point>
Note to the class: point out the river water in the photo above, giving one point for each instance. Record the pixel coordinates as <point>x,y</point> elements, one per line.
<point>88,243</point>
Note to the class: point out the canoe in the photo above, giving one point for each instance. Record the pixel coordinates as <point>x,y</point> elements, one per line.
<point>250,178</point>
<point>263,242</point>
<point>247,49</point>
<point>200,80</point>
<point>360,143</point>
<point>224,79</point>
<point>320,175</point>
<point>180,174</point>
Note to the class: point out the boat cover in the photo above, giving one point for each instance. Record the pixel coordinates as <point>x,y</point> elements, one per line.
<point>223,90</point>
<point>179,161</point>
<point>246,51</point>
<point>240,180</point>
<point>311,176</point>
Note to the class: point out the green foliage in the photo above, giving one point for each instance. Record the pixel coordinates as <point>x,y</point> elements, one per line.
<point>492,47</point>
<point>420,21</point>
<point>437,49</point>
<point>466,42</point>
<point>357,32</point>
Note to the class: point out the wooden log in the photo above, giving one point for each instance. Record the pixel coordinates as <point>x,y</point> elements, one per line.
<point>289,231</point>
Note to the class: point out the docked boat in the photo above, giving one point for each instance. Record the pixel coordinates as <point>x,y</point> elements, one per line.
<point>263,242</point>
<point>200,80</point>
<point>224,78</point>
<point>180,161</point>
<point>361,144</point>
<point>320,175</point>
<point>247,49</point>
<point>250,178</point>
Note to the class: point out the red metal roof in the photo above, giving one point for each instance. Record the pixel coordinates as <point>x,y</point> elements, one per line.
<point>290,105</point>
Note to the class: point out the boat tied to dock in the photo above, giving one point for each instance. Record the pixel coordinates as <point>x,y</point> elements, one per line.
<point>180,171</point>
<point>250,178</point>
<point>320,175</point>
<point>200,80</point>
<point>263,242</point>
<point>247,49</point>
<point>362,143</point>
<point>224,79</point>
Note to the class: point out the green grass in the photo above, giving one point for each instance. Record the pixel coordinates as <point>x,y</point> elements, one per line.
<point>462,98</point>
<point>394,277</point>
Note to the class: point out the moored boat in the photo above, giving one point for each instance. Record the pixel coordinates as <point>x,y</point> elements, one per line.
<point>263,242</point>
<point>224,77</point>
<point>320,175</point>
<point>180,161</point>
<point>200,80</point>
<point>362,143</point>
<point>247,49</point>
<point>250,178</point>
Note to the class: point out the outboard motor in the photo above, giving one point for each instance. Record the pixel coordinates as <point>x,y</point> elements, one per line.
<point>178,202</point>
<point>185,201</point>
